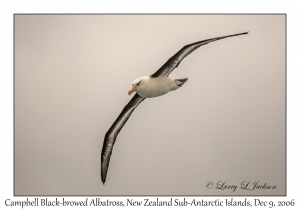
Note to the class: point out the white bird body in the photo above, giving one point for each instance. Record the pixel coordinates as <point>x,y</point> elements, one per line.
<point>149,87</point>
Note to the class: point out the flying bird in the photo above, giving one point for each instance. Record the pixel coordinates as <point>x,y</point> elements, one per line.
<point>151,86</point>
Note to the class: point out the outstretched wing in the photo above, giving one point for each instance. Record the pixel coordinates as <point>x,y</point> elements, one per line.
<point>175,60</point>
<point>112,133</point>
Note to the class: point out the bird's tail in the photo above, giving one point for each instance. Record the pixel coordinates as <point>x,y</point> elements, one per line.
<point>180,82</point>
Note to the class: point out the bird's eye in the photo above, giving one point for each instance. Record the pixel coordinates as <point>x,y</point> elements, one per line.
<point>139,82</point>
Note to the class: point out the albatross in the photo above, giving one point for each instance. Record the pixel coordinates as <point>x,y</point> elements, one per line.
<point>155,85</point>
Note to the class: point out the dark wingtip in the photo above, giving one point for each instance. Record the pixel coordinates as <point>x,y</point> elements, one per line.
<point>247,32</point>
<point>102,174</point>
<point>103,178</point>
<point>104,167</point>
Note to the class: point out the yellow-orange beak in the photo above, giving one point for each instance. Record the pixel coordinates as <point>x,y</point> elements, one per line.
<point>133,89</point>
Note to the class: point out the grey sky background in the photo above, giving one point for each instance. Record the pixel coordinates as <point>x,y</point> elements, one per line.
<point>227,123</point>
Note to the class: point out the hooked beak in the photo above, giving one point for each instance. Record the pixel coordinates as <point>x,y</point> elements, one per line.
<point>133,89</point>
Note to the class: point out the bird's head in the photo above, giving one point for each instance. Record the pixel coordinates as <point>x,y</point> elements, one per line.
<point>135,85</point>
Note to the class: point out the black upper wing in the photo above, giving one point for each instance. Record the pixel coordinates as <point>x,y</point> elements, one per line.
<point>112,133</point>
<point>175,60</point>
